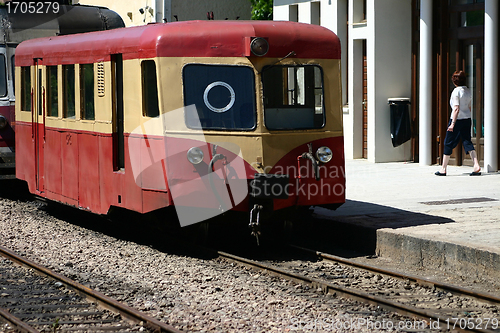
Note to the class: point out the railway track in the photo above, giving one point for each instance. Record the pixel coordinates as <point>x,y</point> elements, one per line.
<point>35,299</point>
<point>437,306</point>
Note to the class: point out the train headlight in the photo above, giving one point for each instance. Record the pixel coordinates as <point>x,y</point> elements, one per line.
<point>324,154</point>
<point>259,46</point>
<point>3,122</point>
<point>195,155</point>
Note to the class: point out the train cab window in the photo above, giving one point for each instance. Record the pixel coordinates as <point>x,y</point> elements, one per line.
<point>224,97</point>
<point>69,91</point>
<point>87,92</point>
<point>52,100</point>
<point>26,88</point>
<point>293,97</point>
<point>3,76</point>
<point>149,89</point>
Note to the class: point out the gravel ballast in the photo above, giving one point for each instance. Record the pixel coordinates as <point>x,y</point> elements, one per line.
<point>191,293</point>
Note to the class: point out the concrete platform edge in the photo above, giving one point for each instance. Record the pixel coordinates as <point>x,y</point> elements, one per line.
<point>433,254</point>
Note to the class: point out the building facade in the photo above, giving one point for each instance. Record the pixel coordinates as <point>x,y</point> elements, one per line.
<point>139,12</point>
<point>409,49</point>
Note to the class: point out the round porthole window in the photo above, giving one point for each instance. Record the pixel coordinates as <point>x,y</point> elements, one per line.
<point>231,95</point>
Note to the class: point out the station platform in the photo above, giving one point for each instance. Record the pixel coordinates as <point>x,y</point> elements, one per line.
<point>450,223</point>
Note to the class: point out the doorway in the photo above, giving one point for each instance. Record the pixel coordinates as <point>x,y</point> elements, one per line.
<point>365,103</point>
<point>38,125</point>
<point>459,45</point>
<point>118,117</point>
<point>470,56</point>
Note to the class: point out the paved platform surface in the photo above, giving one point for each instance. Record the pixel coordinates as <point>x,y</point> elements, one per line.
<point>450,223</point>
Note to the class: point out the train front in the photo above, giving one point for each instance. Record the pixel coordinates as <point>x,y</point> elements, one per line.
<point>260,128</point>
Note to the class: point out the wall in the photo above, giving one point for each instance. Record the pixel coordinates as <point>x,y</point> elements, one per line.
<point>222,9</point>
<point>387,34</point>
<point>169,9</point>
<point>128,10</point>
<point>389,73</point>
<point>329,14</point>
<point>386,29</point>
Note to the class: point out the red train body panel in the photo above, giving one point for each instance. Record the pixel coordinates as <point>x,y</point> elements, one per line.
<point>183,39</point>
<point>76,159</point>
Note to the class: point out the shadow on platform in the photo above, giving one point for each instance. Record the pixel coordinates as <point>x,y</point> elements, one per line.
<point>354,225</point>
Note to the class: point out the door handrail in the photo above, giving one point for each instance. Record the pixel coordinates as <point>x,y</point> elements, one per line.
<point>43,112</point>
<point>32,115</point>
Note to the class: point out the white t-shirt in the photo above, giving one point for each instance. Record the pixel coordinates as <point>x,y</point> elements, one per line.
<point>461,96</point>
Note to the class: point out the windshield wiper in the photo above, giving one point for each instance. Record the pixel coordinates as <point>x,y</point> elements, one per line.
<point>268,67</point>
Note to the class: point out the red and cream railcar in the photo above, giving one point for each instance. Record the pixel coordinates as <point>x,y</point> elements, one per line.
<point>216,115</point>
<point>20,24</point>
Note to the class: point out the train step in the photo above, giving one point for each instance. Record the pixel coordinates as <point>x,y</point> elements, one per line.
<point>7,165</point>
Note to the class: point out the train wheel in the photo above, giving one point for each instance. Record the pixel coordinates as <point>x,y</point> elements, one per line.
<point>293,223</point>
<point>198,233</point>
<point>288,230</point>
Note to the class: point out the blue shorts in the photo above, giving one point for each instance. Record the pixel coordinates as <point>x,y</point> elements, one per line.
<point>461,130</point>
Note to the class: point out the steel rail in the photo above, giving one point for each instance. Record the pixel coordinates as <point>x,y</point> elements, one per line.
<point>20,325</point>
<point>420,280</point>
<point>101,299</point>
<point>361,296</point>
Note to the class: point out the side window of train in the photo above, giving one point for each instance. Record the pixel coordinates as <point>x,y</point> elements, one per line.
<point>87,91</point>
<point>52,98</point>
<point>293,97</point>
<point>69,91</point>
<point>26,88</point>
<point>149,89</point>
<point>3,75</point>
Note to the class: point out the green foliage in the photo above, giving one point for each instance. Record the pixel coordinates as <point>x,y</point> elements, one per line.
<point>55,325</point>
<point>262,9</point>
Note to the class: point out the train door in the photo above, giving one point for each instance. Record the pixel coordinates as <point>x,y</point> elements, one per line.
<point>38,125</point>
<point>365,103</point>
<point>118,129</point>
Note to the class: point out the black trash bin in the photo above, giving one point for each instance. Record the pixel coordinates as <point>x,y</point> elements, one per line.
<point>400,120</point>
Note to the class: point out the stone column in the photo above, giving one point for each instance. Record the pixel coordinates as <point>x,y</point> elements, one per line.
<point>491,85</point>
<point>425,84</point>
